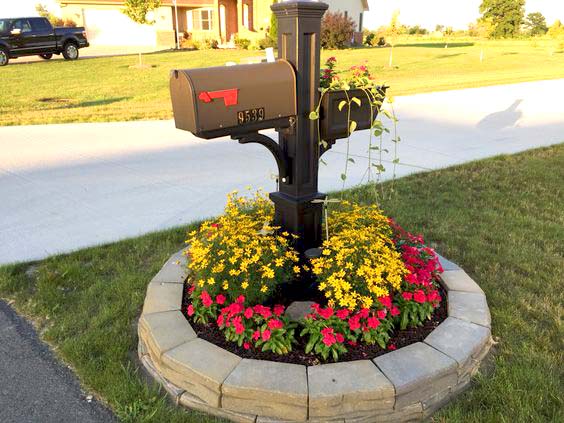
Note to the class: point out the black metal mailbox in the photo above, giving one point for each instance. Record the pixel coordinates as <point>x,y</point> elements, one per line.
<point>334,123</point>
<point>234,100</point>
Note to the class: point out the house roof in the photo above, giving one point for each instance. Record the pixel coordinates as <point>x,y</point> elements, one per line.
<point>120,2</point>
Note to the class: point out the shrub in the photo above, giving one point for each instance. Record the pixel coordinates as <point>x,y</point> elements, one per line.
<point>240,253</point>
<point>242,43</point>
<point>359,262</point>
<point>267,42</point>
<point>336,31</point>
<point>205,44</point>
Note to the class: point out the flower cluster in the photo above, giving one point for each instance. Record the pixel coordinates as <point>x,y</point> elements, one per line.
<point>330,331</point>
<point>257,326</point>
<point>328,73</point>
<point>241,253</point>
<point>357,77</point>
<point>359,262</point>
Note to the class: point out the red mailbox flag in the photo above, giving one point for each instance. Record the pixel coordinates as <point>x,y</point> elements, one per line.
<point>229,96</point>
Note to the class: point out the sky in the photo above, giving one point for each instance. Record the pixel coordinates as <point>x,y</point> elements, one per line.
<point>427,13</point>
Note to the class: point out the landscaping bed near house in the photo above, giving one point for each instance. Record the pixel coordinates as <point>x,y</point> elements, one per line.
<point>106,89</point>
<point>500,219</point>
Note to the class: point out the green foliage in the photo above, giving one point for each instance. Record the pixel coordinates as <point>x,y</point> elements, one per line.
<point>242,43</point>
<point>267,42</point>
<point>41,9</point>
<point>506,16</point>
<point>536,24</point>
<point>273,30</point>
<point>556,30</point>
<point>137,10</point>
<point>336,30</point>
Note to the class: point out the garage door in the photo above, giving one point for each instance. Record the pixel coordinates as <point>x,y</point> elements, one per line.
<point>111,28</point>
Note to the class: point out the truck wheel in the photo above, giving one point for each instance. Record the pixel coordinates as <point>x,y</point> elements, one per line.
<point>46,56</point>
<point>4,58</point>
<point>70,51</point>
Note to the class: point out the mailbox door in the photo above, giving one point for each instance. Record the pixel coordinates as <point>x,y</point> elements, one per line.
<point>234,100</point>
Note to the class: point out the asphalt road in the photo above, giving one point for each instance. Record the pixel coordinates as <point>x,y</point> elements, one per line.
<point>34,386</point>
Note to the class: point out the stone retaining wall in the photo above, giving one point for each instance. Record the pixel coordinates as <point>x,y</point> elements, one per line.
<point>403,385</point>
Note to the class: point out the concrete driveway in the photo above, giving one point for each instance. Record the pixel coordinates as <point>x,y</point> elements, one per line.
<point>64,187</point>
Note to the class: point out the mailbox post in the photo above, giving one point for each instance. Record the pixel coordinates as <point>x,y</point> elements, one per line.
<point>299,28</point>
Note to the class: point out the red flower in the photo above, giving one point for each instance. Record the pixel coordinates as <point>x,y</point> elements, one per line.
<point>220,299</point>
<point>407,295</point>
<point>352,343</point>
<point>373,322</point>
<point>328,336</point>
<point>220,319</point>
<point>238,325</point>
<point>206,299</point>
<point>246,345</point>
<point>340,338</point>
<point>191,289</point>
<point>326,313</point>
<point>381,313</point>
<point>263,311</point>
<point>391,347</point>
<point>395,311</point>
<point>249,313</point>
<point>386,301</point>
<point>256,335</point>
<point>275,324</point>
<point>419,296</point>
<point>240,299</point>
<point>364,312</point>
<point>214,225</point>
<point>342,313</point>
<point>190,310</point>
<point>354,323</point>
<point>265,335</point>
<point>279,310</point>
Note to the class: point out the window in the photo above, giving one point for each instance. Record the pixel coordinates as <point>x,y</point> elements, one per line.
<point>40,25</point>
<point>4,25</point>
<point>200,20</point>
<point>246,16</point>
<point>22,24</point>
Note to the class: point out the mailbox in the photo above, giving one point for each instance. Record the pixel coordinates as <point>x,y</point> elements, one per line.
<point>234,100</point>
<point>334,123</point>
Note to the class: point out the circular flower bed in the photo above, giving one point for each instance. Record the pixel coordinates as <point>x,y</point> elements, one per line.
<point>371,281</point>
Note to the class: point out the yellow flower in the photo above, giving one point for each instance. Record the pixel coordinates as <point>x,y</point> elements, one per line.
<point>211,281</point>
<point>244,285</point>
<point>263,288</point>
<point>225,285</point>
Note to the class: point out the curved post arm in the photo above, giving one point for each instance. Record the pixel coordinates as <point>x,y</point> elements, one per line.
<point>273,147</point>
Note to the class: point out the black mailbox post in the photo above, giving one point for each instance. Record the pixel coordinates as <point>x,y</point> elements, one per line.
<point>241,100</point>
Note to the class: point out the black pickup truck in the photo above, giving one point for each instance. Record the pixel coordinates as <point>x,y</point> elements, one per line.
<point>36,36</point>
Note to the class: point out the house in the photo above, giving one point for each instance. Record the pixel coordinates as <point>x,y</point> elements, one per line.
<point>220,20</point>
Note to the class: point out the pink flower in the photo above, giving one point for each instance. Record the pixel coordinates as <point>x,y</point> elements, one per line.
<point>342,313</point>
<point>275,324</point>
<point>263,311</point>
<point>419,296</point>
<point>373,322</point>
<point>328,336</point>
<point>246,345</point>
<point>326,313</point>
<point>354,323</point>
<point>206,299</point>
<point>279,310</point>
<point>238,325</point>
<point>340,338</point>
<point>352,343</point>
<point>407,295</point>
<point>240,299</point>
<point>381,313</point>
<point>265,335</point>
<point>191,289</point>
<point>386,301</point>
<point>220,319</point>
<point>190,310</point>
<point>249,313</point>
<point>220,299</point>
<point>256,335</point>
<point>363,313</point>
<point>391,347</point>
<point>395,311</point>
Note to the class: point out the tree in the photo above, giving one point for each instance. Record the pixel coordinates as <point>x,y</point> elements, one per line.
<point>536,24</point>
<point>137,10</point>
<point>392,32</point>
<point>337,30</point>
<point>273,30</point>
<point>556,30</point>
<point>439,28</point>
<point>506,16</point>
<point>55,21</point>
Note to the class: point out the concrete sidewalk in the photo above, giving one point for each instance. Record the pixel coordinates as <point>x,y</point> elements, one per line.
<point>64,187</point>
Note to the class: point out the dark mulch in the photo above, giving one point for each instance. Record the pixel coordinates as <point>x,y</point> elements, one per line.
<point>400,338</point>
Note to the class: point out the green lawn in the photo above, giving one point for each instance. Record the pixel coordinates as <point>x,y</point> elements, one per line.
<point>501,219</point>
<point>106,89</point>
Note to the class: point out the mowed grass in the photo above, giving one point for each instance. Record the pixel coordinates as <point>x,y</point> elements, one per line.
<point>500,219</point>
<point>106,89</point>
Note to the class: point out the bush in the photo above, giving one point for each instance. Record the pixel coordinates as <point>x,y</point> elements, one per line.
<point>206,44</point>
<point>267,42</point>
<point>336,31</point>
<point>242,43</point>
